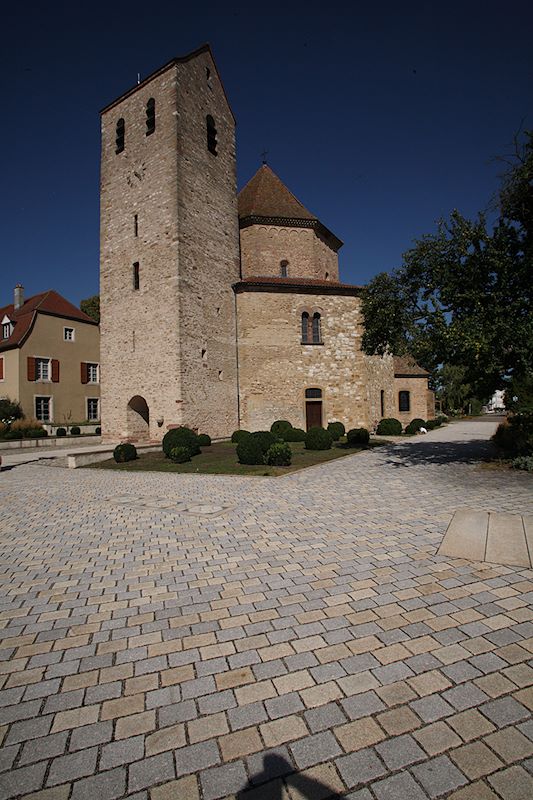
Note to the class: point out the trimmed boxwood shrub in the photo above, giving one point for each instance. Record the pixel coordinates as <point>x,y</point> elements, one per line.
<point>204,440</point>
<point>279,455</point>
<point>181,437</point>
<point>239,436</point>
<point>430,424</point>
<point>124,452</point>
<point>180,454</point>
<point>36,433</point>
<point>515,436</point>
<point>443,419</point>
<point>61,432</point>
<point>13,435</point>
<point>415,425</point>
<point>265,439</point>
<point>249,451</point>
<point>389,427</point>
<point>279,427</point>
<point>294,435</point>
<point>318,439</point>
<point>337,430</point>
<point>357,437</point>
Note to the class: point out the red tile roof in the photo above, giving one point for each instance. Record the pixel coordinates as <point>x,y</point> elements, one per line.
<point>406,366</point>
<point>49,302</point>
<point>265,195</point>
<point>308,285</point>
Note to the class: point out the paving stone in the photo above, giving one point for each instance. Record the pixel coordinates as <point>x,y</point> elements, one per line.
<point>431,708</point>
<point>221,781</point>
<point>513,783</point>
<point>150,771</point>
<point>438,776</point>
<point>314,749</point>
<point>361,705</point>
<point>328,716</point>
<point>90,735</point>
<point>72,766</point>
<point>361,767</point>
<point>196,757</point>
<point>45,747</point>
<point>107,786</point>
<point>400,751</point>
<point>123,752</point>
<point>504,711</point>
<point>475,760</point>
<point>398,786</point>
<point>22,781</point>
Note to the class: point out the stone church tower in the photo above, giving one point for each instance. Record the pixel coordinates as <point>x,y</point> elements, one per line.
<point>169,255</point>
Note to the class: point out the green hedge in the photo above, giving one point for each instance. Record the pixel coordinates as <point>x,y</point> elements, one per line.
<point>318,439</point>
<point>415,425</point>
<point>239,436</point>
<point>181,437</point>
<point>358,437</point>
<point>265,440</point>
<point>249,451</point>
<point>180,454</point>
<point>204,440</point>
<point>514,437</point>
<point>294,435</point>
<point>337,430</point>
<point>389,427</point>
<point>279,455</point>
<point>279,427</point>
<point>124,452</point>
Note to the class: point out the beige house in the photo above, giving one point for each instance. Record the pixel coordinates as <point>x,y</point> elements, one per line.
<point>49,358</point>
<point>219,311</point>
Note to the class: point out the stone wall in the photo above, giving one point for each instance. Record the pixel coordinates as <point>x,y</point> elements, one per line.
<point>380,378</point>
<point>170,205</point>
<point>422,400</point>
<point>275,368</point>
<point>264,247</point>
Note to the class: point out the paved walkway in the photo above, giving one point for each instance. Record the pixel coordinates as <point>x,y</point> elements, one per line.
<point>170,637</point>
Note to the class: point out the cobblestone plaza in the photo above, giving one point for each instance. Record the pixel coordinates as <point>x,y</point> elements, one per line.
<point>175,637</point>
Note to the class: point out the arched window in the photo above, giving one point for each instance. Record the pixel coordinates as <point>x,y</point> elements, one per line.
<point>316,328</point>
<point>305,327</point>
<point>119,136</point>
<point>150,116</point>
<point>404,401</point>
<point>313,394</point>
<point>212,141</point>
<point>382,400</point>
<point>284,268</point>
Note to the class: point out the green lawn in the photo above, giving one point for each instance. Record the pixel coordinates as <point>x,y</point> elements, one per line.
<point>221,459</point>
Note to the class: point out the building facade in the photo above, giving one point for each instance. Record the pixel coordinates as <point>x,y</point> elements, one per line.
<point>49,358</point>
<point>218,311</point>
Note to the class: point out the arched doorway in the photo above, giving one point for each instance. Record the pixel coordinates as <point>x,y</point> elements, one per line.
<point>313,408</point>
<point>138,418</point>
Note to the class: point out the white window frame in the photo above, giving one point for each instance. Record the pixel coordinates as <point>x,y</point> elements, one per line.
<point>72,331</point>
<point>96,371</point>
<point>38,360</point>
<point>93,400</point>
<point>50,399</point>
<point>7,330</point>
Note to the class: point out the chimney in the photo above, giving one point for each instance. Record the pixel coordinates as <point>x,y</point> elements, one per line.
<point>19,296</point>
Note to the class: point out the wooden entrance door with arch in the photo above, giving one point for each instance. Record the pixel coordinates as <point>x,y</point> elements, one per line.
<point>313,408</point>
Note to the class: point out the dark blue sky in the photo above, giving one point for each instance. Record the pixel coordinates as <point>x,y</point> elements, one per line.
<point>380,117</point>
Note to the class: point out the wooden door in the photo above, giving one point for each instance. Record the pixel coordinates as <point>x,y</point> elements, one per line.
<point>313,414</point>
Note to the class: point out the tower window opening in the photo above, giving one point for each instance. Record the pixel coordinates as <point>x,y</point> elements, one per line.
<point>284,269</point>
<point>136,225</point>
<point>212,141</point>
<point>150,116</point>
<point>305,327</point>
<point>136,278</point>
<point>120,136</point>
<point>316,328</point>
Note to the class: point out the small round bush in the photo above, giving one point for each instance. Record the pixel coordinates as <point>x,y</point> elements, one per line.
<point>61,432</point>
<point>294,435</point>
<point>523,462</point>
<point>318,439</point>
<point>36,433</point>
<point>358,437</point>
<point>279,426</point>
<point>337,430</point>
<point>204,440</point>
<point>3,429</point>
<point>430,424</point>
<point>415,425</point>
<point>181,437</point>
<point>265,440</point>
<point>124,452</point>
<point>180,454</point>
<point>75,430</point>
<point>389,427</point>
<point>98,430</point>
<point>249,451</point>
<point>239,436</point>
<point>443,419</point>
<point>279,455</point>
<point>13,435</point>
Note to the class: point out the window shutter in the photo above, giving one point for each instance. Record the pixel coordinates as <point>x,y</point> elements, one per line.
<point>84,372</point>
<point>31,368</point>
<point>55,370</point>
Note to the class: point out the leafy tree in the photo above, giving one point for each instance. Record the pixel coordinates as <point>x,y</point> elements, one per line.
<point>452,388</point>
<point>91,307</point>
<point>10,409</point>
<point>463,295</point>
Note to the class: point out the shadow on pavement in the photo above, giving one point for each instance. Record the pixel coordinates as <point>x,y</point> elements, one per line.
<point>275,768</point>
<point>417,453</point>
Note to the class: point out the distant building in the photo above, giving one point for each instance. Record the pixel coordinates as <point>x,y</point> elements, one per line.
<point>222,312</point>
<point>49,358</point>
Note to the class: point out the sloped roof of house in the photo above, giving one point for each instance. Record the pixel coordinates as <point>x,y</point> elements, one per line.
<point>49,302</point>
<point>406,367</point>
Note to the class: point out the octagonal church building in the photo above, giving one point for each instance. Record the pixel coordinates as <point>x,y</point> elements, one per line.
<point>222,310</point>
